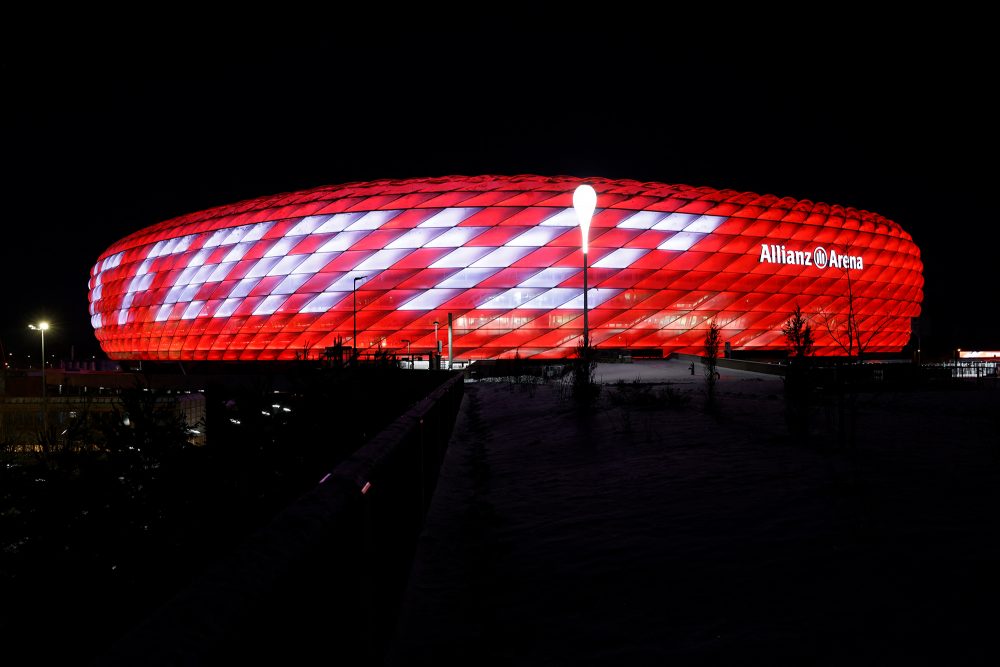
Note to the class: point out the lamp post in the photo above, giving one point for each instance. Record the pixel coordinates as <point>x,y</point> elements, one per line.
<point>584,203</point>
<point>437,348</point>
<point>354,334</point>
<point>408,352</point>
<point>41,328</point>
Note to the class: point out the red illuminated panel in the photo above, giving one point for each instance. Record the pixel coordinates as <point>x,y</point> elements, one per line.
<point>274,277</point>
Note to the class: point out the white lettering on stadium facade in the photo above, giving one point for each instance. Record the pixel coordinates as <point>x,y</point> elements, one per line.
<point>819,257</point>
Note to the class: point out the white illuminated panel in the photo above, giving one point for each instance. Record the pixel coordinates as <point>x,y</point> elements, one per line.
<point>595,297</point>
<point>430,299</point>
<point>203,274</point>
<point>337,223</point>
<point>243,287</point>
<point>270,304</point>
<point>554,298</point>
<point>448,217</point>
<point>227,308</point>
<point>192,310</point>
<point>342,241</point>
<point>620,259</point>
<point>416,238</point>
<point>325,301</point>
<point>262,266</point>
<point>346,282</point>
<point>383,259</point>
<point>215,240</point>
<point>642,220</point>
<point>373,220</point>
<point>238,251</point>
<point>258,231</point>
<point>461,257</point>
<point>467,277</point>
<point>503,257</point>
<point>188,293</point>
<point>315,262</point>
<point>512,298</point>
<point>290,284</point>
<point>281,247</point>
<point>681,241</point>
<point>536,236</point>
<point>164,312</point>
<point>200,257</point>
<point>565,218</point>
<point>455,237</point>
<point>306,225</point>
<point>675,222</point>
<point>705,224</point>
<point>551,276</point>
<point>221,271</point>
<point>286,265</point>
<point>235,235</point>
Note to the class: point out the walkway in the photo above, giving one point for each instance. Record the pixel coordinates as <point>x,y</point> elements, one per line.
<point>621,535</point>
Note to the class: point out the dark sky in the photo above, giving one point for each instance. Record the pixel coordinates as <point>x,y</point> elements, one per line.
<point>104,136</point>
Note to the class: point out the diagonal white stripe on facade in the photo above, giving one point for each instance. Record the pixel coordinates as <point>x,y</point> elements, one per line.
<point>620,259</point>
<point>449,217</point>
<point>551,276</point>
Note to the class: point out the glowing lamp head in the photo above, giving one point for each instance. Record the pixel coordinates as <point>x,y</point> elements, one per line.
<point>584,202</point>
<point>41,326</point>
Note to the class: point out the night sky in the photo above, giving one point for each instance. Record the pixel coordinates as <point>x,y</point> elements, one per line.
<point>105,136</point>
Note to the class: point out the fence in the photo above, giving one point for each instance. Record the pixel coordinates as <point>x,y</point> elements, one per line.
<point>324,578</point>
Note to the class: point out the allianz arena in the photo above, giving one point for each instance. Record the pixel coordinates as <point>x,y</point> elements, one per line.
<point>278,277</point>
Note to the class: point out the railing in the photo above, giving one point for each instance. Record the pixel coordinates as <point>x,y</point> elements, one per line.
<point>324,578</point>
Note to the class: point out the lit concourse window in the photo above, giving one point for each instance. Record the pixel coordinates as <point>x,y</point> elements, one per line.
<point>279,277</point>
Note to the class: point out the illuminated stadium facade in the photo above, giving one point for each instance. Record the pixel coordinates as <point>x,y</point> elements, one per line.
<point>275,277</point>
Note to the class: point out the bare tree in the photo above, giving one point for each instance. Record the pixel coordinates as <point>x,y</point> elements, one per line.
<point>853,332</point>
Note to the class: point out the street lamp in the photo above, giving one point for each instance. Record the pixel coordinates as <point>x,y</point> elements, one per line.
<point>354,335</point>
<point>408,352</point>
<point>437,343</point>
<point>41,328</point>
<point>584,202</point>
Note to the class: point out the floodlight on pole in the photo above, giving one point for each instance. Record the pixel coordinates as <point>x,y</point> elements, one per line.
<point>584,203</point>
<point>42,327</point>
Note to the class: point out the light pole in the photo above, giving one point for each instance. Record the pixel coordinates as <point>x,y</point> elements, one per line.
<point>437,348</point>
<point>584,202</point>
<point>408,352</point>
<point>354,334</point>
<point>41,328</point>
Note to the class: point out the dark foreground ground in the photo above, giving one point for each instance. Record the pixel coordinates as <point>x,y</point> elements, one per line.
<point>666,535</point>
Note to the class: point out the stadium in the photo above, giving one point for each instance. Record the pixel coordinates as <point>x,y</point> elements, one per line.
<point>288,276</point>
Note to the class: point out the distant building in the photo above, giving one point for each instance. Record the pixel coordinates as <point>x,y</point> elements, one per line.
<point>275,277</point>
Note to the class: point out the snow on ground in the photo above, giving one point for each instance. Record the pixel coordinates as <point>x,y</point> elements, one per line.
<point>620,535</point>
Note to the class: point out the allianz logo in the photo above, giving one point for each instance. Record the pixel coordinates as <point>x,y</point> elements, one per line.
<point>819,257</point>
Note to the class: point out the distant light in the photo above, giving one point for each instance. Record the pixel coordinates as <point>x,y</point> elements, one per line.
<point>364,489</point>
<point>584,201</point>
<point>325,477</point>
